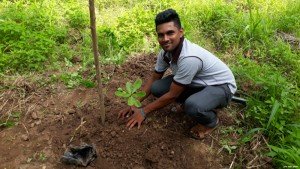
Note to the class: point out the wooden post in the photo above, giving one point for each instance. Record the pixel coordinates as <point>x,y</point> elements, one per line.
<point>96,58</point>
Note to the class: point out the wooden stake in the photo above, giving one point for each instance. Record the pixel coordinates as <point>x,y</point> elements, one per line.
<point>96,58</point>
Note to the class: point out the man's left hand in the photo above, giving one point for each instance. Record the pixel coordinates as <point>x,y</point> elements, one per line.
<point>136,118</point>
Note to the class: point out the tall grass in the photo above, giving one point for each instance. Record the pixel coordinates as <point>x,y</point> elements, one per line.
<point>250,28</point>
<point>265,64</point>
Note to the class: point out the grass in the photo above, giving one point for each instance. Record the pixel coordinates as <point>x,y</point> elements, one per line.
<point>39,36</point>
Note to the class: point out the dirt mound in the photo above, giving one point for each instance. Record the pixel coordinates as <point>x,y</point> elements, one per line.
<point>53,119</point>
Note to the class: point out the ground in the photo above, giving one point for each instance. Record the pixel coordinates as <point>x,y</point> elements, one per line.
<point>53,118</point>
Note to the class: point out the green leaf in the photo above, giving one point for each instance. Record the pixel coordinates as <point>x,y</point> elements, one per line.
<point>245,139</point>
<point>139,94</point>
<point>131,101</point>
<point>227,148</point>
<point>122,93</point>
<point>129,87</point>
<point>254,130</point>
<point>273,113</point>
<point>137,103</point>
<point>16,115</point>
<point>8,124</point>
<point>137,84</point>
<point>119,93</point>
<point>287,153</point>
<point>126,94</point>
<point>271,154</point>
<point>134,102</point>
<point>88,83</point>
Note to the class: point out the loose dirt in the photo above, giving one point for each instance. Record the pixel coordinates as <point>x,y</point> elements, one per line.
<point>54,117</point>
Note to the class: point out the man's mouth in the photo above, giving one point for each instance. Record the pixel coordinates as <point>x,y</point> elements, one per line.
<point>167,44</point>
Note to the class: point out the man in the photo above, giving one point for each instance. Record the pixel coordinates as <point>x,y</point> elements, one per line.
<point>199,80</point>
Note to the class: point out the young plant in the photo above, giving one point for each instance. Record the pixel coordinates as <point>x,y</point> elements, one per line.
<point>11,120</point>
<point>131,93</point>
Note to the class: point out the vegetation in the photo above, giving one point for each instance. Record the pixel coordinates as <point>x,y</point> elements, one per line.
<point>250,35</point>
<point>131,93</point>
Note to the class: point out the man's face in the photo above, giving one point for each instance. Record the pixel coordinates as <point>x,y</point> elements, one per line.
<point>169,36</point>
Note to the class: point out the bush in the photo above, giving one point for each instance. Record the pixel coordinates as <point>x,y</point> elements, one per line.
<point>28,36</point>
<point>38,33</point>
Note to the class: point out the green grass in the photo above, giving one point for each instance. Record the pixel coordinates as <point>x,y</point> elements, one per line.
<point>46,35</point>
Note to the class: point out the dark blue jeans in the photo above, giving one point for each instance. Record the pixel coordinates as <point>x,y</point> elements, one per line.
<point>198,102</point>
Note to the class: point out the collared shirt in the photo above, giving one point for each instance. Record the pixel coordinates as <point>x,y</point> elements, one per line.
<point>196,67</point>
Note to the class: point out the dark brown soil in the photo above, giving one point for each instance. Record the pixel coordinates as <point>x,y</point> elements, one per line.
<point>53,118</point>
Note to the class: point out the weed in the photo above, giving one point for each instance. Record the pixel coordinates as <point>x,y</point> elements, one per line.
<point>74,79</point>
<point>42,156</point>
<point>11,120</point>
<point>37,156</point>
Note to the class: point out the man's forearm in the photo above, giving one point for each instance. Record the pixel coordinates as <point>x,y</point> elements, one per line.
<point>160,102</point>
<point>147,87</point>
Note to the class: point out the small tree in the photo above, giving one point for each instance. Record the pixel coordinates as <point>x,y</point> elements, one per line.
<point>131,93</point>
<point>96,58</point>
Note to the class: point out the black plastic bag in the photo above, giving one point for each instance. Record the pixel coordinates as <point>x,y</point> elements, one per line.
<point>80,156</point>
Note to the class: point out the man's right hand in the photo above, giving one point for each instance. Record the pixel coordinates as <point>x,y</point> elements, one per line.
<point>127,112</point>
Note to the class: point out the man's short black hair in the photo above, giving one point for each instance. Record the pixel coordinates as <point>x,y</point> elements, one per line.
<point>168,16</point>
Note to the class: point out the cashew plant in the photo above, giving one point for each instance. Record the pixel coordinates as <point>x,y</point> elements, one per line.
<point>131,93</point>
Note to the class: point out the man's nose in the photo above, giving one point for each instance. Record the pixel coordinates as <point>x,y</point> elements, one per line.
<point>166,38</point>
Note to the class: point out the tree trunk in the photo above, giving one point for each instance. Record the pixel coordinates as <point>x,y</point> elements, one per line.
<point>96,58</point>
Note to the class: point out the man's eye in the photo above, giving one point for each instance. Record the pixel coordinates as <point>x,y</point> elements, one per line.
<point>170,33</point>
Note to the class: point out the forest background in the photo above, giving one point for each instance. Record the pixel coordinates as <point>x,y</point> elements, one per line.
<point>258,39</point>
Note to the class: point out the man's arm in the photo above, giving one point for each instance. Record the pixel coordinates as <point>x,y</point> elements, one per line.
<point>146,88</point>
<point>138,118</point>
<point>174,92</point>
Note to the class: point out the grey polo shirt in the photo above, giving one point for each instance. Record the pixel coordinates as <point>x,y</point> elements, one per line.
<point>197,67</point>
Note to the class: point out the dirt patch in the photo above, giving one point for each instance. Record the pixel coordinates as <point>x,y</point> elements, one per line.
<point>53,117</point>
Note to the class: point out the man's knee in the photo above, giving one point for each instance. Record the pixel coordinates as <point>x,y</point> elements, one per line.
<point>156,89</point>
<point>202,116</point>
<point>161,86</point>
<point>190,107</point>
<point>193,107</point>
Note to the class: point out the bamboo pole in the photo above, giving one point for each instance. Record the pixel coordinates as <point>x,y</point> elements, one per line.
<point>96,58</point>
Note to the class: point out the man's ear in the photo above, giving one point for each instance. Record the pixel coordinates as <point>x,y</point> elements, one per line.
<point>181,30</point>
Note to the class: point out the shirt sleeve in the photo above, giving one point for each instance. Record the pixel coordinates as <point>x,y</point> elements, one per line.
<point>161,65</point>
<point>187,69</point>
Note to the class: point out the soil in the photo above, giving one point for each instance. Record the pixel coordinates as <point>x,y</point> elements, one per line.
<point>54,118</point>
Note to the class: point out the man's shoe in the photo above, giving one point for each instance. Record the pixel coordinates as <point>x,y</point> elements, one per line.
<point>200,131</point>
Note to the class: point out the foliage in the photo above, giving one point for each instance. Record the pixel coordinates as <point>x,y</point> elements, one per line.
<point>29,35</point>
<point>131,93</point>
<point>11,120</point>
<point>74,79</point>
<point>273,105</point>
<point>39,35</point>
<point>77,17</point>
<point>249,30</point>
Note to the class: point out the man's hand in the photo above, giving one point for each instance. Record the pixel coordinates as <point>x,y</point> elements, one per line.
<point>136,118</point>
<point>127,112</point>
